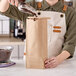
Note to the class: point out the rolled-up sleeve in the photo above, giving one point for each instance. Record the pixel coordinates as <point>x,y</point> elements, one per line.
<point>70,38</point>
<point>14,13</point>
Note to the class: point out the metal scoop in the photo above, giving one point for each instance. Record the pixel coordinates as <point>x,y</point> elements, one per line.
<point>26,8</point>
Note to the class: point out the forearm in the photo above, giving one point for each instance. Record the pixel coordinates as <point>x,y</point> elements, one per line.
<point>4,5</point>
<point>64,55</point>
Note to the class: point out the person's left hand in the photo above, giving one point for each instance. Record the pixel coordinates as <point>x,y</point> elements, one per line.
<point>51,62</point>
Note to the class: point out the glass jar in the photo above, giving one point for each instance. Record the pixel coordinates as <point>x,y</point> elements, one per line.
<point>5,53</point>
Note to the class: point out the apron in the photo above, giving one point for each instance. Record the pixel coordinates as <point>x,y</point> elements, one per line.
<point>56,31</point>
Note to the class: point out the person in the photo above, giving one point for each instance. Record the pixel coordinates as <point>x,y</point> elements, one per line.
<point>49,5</point>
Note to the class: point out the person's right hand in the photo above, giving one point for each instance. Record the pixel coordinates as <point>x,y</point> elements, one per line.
<point>13,2</point>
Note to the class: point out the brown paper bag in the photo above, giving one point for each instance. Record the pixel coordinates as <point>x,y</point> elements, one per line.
<point>36,42</point>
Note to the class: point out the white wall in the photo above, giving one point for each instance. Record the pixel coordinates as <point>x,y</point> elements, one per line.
<point>4,25</point>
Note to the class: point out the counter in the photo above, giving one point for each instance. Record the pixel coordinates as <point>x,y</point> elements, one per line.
<point>10,41</point>
<point>67,68</point>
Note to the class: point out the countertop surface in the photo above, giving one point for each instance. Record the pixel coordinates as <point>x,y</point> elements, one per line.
<point>67,68</point>
<point>10,41</point>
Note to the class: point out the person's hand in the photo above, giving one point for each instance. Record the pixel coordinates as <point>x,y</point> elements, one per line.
<point>52,62</point>
<point>13,2</point>
<point>55,61</point>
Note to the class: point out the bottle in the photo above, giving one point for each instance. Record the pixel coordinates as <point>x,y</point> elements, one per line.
<point>16,31</point>
<point>21,31</point>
